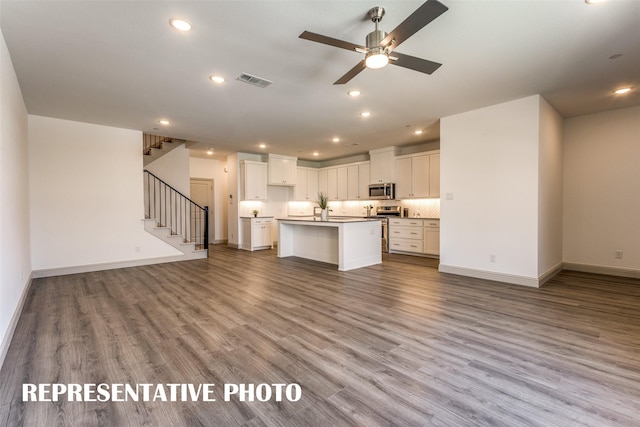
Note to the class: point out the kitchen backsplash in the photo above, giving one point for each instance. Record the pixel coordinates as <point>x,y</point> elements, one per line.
<point>423,208</point>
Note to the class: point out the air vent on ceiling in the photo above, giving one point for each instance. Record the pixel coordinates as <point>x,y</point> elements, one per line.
<point>253,80</point>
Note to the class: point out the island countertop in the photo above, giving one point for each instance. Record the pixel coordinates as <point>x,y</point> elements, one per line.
<point>339,220</point>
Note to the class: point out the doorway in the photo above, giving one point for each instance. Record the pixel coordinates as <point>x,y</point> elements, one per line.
<point>201,192</point>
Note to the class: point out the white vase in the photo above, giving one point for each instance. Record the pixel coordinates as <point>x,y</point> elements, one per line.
<point>324,214</point>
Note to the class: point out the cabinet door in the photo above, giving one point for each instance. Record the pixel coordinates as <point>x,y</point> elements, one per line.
<point>312,185</point>
<point>434,176</point>
<point>300,190</point>
<point>363,181</point>
<point>255,181</point>
<point>353,181</point>
<point>403,178</point>
<point>343,182</point>
<point>323,182</point>
<point>420,176</point>
<point>431,241</point>
<point>382,167</point>
<point>260,233</point>
<point>282,170</point>
<point>332,183</point>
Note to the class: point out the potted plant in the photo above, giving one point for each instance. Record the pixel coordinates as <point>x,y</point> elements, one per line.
<point>255,212</point>
<point>323,203</point>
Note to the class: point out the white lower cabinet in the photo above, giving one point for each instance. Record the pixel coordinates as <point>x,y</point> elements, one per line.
<point>256,233</point>
<point>431,237</point>
<point>405,235</point>
<point>414,236</point>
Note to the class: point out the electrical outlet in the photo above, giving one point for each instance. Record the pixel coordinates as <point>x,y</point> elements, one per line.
<point>619,254</point>
<point>137,248</point>
<point>492,258</point>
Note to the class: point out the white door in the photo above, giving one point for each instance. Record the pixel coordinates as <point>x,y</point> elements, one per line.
<point>201,191</point>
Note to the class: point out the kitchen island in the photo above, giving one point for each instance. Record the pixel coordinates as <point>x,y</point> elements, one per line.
<point>348,242</point>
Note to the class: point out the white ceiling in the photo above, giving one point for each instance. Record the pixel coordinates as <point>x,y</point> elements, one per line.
<point>119,63</point>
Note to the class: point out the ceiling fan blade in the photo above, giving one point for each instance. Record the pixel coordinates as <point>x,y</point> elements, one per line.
<point>413,63</point>
<point>426,13</point>
<point>351,73</point>
<point>319,38</point>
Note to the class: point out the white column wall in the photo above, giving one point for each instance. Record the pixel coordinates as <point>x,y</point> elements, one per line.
<point>86,197</point>
<point>15,250</point>
<point>489,192</point>
<point>602,191</point>
<point>550,191</point>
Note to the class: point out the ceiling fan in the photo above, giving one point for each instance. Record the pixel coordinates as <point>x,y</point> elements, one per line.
<point>379,49</point>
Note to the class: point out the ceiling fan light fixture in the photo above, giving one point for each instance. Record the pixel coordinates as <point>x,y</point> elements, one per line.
<point>376,58</point>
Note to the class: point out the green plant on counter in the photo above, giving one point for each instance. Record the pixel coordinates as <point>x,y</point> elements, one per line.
<point>255,212</point>
<point>323,200</point>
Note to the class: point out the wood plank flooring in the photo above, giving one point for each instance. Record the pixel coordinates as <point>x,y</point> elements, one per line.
<point>394,344</point>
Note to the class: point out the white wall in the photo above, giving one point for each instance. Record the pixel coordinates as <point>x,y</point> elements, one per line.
<point>602,191</point>
<point>173,168</point>
<point>490,169</point>
<point>215,170</point>
<point>550,186</point>
<point>86,197</point>
<point>15,261</point>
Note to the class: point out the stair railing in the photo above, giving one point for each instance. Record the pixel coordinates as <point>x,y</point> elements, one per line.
<point>152,141</point>
<point>172,209</point>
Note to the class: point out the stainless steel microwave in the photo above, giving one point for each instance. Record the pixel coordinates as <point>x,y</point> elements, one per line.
<point>382,191</point>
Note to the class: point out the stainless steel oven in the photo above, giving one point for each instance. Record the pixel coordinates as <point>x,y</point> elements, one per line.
<point>385,212</point>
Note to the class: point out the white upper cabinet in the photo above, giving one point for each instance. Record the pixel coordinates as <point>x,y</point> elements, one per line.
<point>253,180</point>
<point>282,170</point>
<point>332,183</point>
<point>343,182</point>
<point>383,166</point>
<point>434,175</point>
<point>418,176</point>
<point>358,181</point>
<point>306,185</point>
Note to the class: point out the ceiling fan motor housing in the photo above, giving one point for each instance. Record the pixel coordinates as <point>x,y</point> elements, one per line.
<point>374,38</point>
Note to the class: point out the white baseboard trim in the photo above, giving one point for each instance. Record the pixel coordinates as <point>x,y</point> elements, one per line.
<point>602,269</point>
<point>63,271</point>
<point>490,275</point>
<point>545,277</point>
<point>8,336</point>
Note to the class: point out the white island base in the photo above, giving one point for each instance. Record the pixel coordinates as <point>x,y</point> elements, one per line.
<point>349,243</point>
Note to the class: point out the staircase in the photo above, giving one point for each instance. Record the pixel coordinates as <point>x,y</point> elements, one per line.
<point>155,146</point>
<point>174,218</point>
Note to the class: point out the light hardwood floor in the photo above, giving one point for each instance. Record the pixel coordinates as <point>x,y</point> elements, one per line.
<point>394,344</point>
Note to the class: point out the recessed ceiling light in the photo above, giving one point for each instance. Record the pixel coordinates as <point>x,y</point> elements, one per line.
<point>210,152</point>
<point>180,24</point>
<point>593,1</point>
<point>217,79</point>
<point>263,145</point>
<point>315,153</point>
<point>164,122</point>
<point>417,132</point>
<point>336,139</point>
<point>365,114</point>
<point>622,91</point>
<point>353,93</point>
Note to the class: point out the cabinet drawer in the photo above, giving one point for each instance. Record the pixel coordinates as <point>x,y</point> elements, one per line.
<point>414,233</point>
<point>262,221</point>
<point>405,245</point>
<point>406,222</point>
<point>432,223</point>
